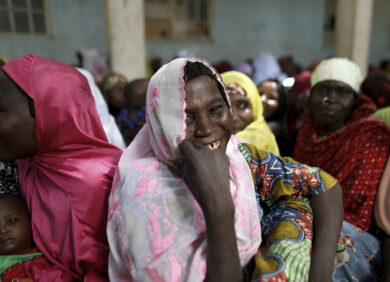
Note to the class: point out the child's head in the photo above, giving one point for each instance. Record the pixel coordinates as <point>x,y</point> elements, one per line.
<point>15,227</point>
<point>135,93</point>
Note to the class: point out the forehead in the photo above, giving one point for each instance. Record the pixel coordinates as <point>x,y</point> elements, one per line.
<point>12,205</point>
<point>269,85</point>
<point>325,84</point>
<point>237,97</point>
<point>201,87</point>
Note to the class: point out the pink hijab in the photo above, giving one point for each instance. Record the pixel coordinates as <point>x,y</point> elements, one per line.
<point>67,182</point>
<point>156,229</point>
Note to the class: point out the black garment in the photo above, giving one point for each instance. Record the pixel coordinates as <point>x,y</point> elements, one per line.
<point>283,137</point>
<point>9,181</point>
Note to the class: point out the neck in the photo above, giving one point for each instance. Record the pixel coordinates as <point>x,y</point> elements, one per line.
<point>327,129</point>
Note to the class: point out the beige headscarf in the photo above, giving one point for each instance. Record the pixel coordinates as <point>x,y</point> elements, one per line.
<point>340,69</point>
<point>258,132</point>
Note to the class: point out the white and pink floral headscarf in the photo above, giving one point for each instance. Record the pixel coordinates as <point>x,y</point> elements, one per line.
<point>156,229</point>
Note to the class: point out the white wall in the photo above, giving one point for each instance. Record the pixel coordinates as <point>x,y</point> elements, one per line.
<point>74,24</point>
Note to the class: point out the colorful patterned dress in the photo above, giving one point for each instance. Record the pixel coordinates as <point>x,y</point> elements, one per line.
<point>283,190</point>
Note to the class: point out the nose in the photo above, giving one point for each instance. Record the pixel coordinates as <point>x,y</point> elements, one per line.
<point>204,126</point>
<point>235,115</point>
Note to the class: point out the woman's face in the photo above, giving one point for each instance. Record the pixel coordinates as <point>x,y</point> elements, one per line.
<point>242,111</point>
<point>331,102</point>
<point>208,118</point>
<point>270,97</point>
<point>16,123</point>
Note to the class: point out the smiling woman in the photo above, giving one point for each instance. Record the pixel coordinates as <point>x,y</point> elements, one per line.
<point>189,199</point>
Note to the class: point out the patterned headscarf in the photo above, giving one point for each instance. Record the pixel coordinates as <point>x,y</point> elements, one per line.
<point>258,132</point>
<point>156,229</point>
<point>340,69</point>
<point>9,182</point>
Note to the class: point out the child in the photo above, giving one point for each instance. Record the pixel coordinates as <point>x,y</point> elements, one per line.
<point>18,256</point>
<point>132,118</point>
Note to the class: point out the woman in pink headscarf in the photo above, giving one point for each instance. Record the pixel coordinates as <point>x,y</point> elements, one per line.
<point>50,124</point>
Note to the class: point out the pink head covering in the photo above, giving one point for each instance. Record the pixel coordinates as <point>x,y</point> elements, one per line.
<point>67,182</point>
<point>156,229</point>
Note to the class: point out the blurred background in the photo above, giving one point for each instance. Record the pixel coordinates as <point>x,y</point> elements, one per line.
<point>134,37</point>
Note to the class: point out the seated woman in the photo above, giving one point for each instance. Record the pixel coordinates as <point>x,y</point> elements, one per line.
<point>187,199</point>
<point>247,111</point>
<point>342,138</point>
<point>274,98</point>
<point>49,123</point>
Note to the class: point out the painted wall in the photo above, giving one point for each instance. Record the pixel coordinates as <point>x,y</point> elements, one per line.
<point>380,32</point>
<point>243,29</point>
<point>240,31</point>
<point>75,24</point>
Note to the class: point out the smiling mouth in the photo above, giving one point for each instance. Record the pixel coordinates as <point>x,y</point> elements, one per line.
<point>214,145</point>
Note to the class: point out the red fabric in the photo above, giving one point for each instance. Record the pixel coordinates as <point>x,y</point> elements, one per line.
<point>301,84</point>
<point>67,182</point>
<point>15,272</point>
<point>24,271</point>
<point>355,154</point>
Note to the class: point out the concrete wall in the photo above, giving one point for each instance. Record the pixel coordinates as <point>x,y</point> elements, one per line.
<point>74,24</point>
<point>380,33</point>
<point>242,29</point>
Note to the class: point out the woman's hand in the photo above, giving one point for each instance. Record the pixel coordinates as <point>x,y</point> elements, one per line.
<point>206,173</point>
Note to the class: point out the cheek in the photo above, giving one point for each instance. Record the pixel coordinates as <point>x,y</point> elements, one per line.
<point>226,120</point>
<point>247,116</point>
<point>189,131</point>
<point>17,138</point>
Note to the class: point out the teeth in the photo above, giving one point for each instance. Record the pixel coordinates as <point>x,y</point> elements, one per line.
<point>215,145</point>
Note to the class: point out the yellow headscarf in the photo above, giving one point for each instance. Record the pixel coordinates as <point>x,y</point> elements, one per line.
<point>258,132</point>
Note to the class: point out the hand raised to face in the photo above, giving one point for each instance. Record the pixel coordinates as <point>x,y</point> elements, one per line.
<point>206,173</point>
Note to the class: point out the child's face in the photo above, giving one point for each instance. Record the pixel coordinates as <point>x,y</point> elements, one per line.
<point>15,227</point>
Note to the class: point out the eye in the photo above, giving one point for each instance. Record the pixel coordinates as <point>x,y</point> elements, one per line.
<point>320,91</point>
<point>12,220</point>
<point>189,118</point>
<point>214,109</point>
<point>345,92</point>
<point>243,106</point>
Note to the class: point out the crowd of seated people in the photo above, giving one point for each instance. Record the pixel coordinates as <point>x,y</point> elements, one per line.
<point>194,174</point>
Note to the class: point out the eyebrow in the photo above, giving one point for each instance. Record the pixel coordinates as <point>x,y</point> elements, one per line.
<point>217,100</point>
<point>213,101</point>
